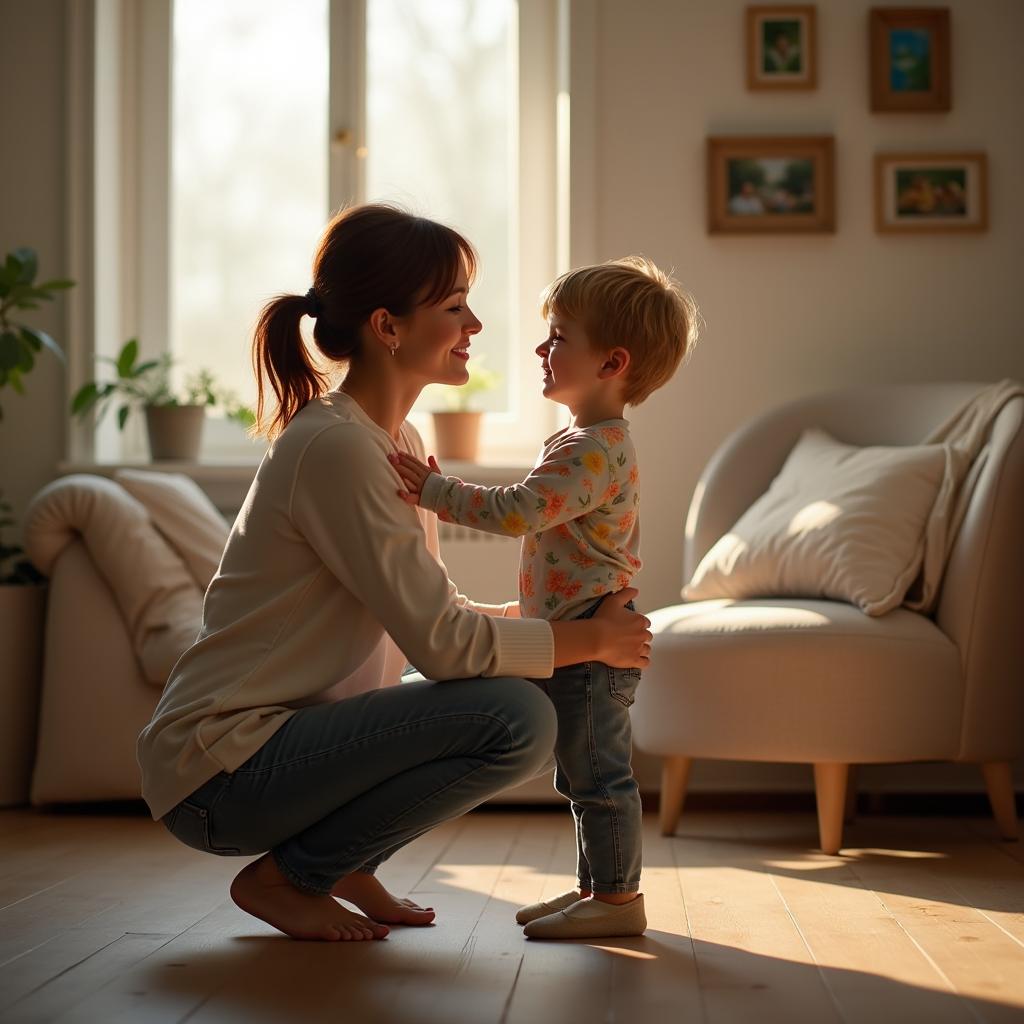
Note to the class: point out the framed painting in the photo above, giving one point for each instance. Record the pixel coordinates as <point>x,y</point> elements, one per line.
<point>931,192</point>
<point>770,184</point>
<point>910,65</point>
<point>782,47</point>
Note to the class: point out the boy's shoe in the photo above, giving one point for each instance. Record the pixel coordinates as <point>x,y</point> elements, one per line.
<point>552,906</point>
<point>591,919</point>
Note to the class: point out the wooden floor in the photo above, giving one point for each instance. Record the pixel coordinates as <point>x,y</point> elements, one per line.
<point>107,919</point>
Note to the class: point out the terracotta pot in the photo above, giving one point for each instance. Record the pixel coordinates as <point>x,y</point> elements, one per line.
<point>175,431</point>
<point>457,434</point>
<point>22,615</point>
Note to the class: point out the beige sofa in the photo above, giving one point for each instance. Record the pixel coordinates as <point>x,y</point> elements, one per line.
<point>819,682</point>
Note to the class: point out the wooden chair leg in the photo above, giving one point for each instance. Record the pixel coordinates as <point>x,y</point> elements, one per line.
<point>999,783</point>
<point>675,772</point>
<point>850,806</point>
<point>830,790</point>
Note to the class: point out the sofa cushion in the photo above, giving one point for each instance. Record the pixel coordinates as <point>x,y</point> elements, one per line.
<point>838,521</point>
<point>798,680</point>
<point>185,516</point>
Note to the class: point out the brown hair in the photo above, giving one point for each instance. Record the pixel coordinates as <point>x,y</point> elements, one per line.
<point>632,304</point>
<point>370,257</point>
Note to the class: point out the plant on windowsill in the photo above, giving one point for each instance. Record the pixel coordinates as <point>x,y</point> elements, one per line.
<point>22,587</point>
<point>457,428</point>
<point>174,416</point>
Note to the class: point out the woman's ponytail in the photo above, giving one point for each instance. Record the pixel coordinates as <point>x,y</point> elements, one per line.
<point>279,354</point>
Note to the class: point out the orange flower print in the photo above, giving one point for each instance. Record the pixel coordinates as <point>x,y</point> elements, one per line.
<point>602,531</point>
<point>623,580</point>
<point>514,524</point>
<point>472,518</point>
<point>634,473</point>
<point>612,492</point>
<point>556,581</point>
<point>477,501</point>
<point>554,507</point>
<point>445,516</point>
<point>613,435</point>
<point>594,461</point>
<point>587,484</point>
<point>563,531</point>
<point>597,589</point>
<point>626,522</point>
<point>562,469</point>
<point>580,559</point>
<point>634,561</point>
<point>572,589</point>
<point>526,583</point>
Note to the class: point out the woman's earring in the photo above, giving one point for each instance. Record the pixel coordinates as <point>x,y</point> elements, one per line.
<point>393,349</point>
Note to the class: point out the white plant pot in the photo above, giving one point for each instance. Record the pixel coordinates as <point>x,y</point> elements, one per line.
<point>175,431</point>
<point>22,617</point>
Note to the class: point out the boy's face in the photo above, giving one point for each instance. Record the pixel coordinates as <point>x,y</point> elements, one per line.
<point>569,362</point>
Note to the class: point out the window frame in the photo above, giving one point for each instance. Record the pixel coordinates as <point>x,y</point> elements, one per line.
<point>119,190</point>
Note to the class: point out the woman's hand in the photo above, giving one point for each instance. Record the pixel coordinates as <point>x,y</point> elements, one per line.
<point>626,641</point>
<point>615,635</point>
<point>413,473</point>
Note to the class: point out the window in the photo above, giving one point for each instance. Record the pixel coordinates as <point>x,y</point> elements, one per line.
<point>273,115</point>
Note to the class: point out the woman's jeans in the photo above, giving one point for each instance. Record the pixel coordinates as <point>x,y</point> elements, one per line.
<point>592,770</point>
<point>342,786</point>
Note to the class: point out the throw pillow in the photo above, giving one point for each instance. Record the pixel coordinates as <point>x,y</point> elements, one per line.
<point>838,522</point>
<point>184,515</point>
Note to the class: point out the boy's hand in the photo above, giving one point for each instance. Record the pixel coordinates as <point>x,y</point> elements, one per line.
<point>413,473</point>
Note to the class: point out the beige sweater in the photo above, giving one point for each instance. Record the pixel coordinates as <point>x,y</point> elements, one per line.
<point>323,562</point>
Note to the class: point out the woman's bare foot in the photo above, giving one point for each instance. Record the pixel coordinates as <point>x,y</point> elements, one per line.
<point>375,901</point>
<point>261,890</point>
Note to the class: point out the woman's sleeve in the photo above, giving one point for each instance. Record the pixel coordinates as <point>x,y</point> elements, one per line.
<point>570,482</point>
<point>344,502</point>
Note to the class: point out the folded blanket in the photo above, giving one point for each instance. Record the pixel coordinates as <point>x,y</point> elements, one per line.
<point>158,597</point>
<point>964,436</point>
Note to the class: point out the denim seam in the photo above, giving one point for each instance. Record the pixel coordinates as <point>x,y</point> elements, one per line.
<point>596,768</point>
<point>364,740</point>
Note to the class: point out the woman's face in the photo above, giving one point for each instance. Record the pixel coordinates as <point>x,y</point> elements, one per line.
<point>434,340</point>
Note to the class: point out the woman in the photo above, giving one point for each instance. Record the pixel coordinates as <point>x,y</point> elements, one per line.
<point>279,730</point>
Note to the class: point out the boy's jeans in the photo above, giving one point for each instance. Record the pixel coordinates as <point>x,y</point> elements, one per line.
<point>592,769</point>
<point>341,786</point>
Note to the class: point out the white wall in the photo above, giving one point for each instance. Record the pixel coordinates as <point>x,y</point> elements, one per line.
<point>787,315</point>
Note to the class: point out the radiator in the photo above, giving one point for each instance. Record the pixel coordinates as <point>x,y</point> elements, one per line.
<point>484,566</point>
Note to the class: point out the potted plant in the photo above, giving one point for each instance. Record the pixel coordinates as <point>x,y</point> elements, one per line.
<point>174,417</point>
<point>22,588</point>
<point>457,428</point>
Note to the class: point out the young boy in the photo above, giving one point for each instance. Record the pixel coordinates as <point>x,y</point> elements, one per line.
<point>616,332</point>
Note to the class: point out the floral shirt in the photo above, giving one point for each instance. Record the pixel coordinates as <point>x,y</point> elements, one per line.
<point>577,513</point>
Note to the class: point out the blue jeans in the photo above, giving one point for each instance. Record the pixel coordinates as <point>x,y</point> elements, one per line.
<point>342,786</point>
<point>592,769</point>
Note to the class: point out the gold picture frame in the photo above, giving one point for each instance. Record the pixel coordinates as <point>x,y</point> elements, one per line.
<point>771,184</point>
<point>910,59</point>
<point>931,192</point>
<point>782,47</point>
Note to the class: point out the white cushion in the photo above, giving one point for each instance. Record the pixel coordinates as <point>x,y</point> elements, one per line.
<point>185,516</point>
<point>838,522</point>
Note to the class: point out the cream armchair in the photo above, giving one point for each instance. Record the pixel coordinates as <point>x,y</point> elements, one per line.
<point>821,683</point>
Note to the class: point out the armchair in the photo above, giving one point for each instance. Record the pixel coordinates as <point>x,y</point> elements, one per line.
<point>819,681</point>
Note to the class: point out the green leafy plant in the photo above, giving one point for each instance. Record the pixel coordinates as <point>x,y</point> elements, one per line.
<point>459,398</point>
<point>20,343</point>
<point>137,385</point>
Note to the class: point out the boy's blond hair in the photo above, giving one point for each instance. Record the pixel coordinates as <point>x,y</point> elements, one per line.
<point>629,303</point>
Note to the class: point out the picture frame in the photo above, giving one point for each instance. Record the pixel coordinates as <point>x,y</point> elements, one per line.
<point>910,59</point>
<point>782,48</point>
<point>770,184</point>
<point>931,192</point>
